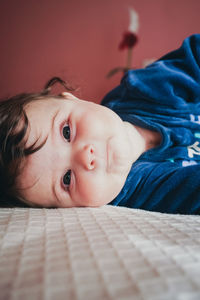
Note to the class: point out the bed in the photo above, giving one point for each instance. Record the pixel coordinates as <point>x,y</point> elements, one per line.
<point>98,253</point>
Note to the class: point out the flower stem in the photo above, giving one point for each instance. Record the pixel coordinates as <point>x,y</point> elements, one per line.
<point>129,58</point>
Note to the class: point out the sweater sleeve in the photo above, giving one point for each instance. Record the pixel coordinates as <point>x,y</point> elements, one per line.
<point>162,188</point>
<point>173,81</point>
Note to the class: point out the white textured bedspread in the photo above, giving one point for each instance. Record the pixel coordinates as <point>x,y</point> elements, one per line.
<point>98,253</point>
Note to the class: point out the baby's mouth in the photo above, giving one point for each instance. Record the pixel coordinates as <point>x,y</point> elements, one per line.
<point>108,157</point>
<point>117,161</point>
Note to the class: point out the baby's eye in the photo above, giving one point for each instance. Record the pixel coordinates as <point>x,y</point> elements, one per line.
<point>66,132</point>
<point>67,178</point>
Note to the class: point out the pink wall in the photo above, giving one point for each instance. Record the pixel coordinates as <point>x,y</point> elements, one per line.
<point>78,40</point>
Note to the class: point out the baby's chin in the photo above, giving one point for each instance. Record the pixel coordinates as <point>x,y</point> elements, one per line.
<point>99,200</point>
<point>94,203</point>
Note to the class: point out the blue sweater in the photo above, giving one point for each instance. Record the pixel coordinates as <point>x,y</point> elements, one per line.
<point>165,97</point>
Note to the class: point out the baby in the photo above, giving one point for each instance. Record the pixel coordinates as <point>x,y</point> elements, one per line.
<point>139,148</point>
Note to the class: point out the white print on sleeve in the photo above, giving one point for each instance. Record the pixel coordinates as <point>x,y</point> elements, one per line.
<point>186,163</point>
<point>195,119</point>
<point>193,149</point>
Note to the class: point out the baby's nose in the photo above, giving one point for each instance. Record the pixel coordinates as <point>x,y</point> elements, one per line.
<point>87,157</point>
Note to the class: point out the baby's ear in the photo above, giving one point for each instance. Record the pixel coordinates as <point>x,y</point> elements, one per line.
<point>68,95</point>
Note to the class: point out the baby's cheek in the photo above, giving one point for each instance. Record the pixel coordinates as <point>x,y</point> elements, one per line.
<point>93,193</point>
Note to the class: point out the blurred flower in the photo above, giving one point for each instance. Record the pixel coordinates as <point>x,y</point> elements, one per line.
<point>134,21</point>
<point>130,39</point>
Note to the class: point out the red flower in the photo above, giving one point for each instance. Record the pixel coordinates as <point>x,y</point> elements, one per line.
<point>130,39</point>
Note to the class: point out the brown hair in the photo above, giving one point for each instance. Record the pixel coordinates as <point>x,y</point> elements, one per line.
<point>12,141</point>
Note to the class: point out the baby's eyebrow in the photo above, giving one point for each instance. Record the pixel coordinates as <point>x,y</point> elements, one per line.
<point>53,181</point>
<point>53,120</point>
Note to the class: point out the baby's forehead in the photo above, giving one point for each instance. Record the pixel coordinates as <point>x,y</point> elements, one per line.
<point>43,101</point>
<point>40,114</point>
<point>42,109</point>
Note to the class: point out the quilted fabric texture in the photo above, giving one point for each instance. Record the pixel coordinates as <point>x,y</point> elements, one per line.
<point>98,253</point>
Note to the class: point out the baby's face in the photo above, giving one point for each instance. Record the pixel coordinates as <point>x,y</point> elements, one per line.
<point>85,159</point>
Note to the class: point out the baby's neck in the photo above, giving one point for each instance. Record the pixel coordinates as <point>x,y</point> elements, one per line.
<point>142,139</point>
<point>152,138</point>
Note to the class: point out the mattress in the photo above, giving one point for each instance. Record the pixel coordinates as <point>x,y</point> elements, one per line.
<point>98,253</point>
